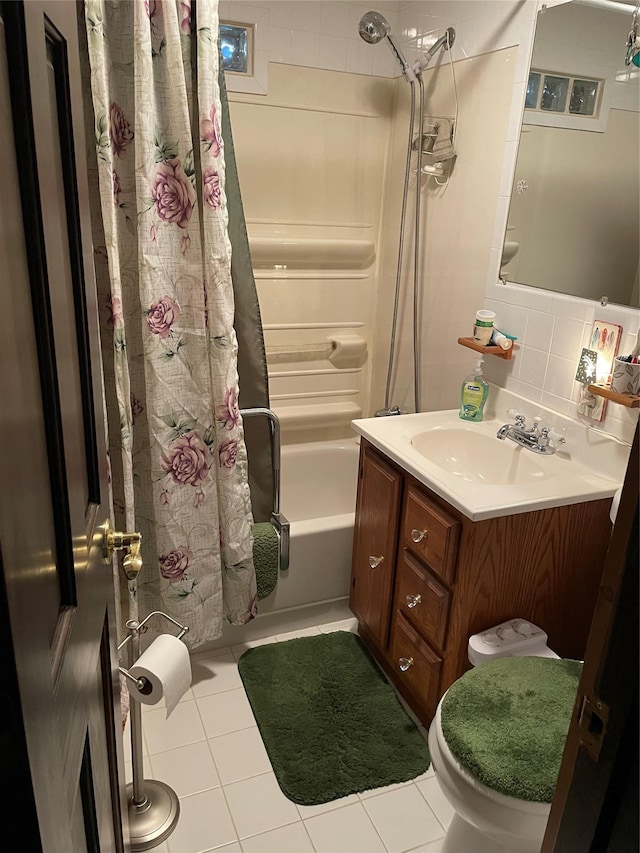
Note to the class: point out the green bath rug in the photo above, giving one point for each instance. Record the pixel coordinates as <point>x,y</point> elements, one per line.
<point>331,723</point>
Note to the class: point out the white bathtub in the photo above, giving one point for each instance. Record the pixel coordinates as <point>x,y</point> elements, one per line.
<point>318,497</point>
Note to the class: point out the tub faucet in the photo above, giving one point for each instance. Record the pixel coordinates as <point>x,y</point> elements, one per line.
<point>537,439</point>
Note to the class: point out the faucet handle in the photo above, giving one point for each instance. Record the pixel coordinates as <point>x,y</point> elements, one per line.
<point>518,418</point>
<point>547,435</point>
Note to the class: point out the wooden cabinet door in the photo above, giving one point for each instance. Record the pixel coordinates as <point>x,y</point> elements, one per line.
<point>374,547</point>
<point>61,747</point>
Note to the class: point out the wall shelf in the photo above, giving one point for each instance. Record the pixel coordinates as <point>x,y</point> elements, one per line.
<point>631,401</point>
<point>493,350</point>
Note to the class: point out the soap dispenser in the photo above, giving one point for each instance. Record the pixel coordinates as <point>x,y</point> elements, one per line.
<point>474,394</point>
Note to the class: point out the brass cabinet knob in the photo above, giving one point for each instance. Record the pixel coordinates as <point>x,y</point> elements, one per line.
<point>418,535</point>
<point>405,663</point>
<point>413,600</point>
<point>115,540</point>
<point>375,561</point>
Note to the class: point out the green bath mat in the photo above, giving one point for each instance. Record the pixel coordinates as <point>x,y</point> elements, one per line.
<point>265,557</point>
<point>331,723</point>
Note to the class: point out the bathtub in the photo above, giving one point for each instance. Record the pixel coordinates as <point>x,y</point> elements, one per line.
<point>318,497</point>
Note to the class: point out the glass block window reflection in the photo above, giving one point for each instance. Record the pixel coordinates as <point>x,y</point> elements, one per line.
<point>563,95</point>
<point>236,47</point>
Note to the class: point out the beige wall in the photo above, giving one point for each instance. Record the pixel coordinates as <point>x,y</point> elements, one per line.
<point>311,158</point>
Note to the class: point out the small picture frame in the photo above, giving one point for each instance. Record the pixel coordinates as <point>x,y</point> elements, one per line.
<point>604,341</point>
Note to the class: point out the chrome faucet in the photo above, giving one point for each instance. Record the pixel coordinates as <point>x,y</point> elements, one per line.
<point>539,440</point>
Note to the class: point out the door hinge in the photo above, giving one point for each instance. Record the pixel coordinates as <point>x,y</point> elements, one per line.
<point>593,719</point>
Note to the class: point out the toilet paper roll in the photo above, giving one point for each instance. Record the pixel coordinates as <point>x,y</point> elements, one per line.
<point>167,668</point>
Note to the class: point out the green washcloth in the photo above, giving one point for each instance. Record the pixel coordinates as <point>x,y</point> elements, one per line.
<point>265,557</point>
<point>507,721</point>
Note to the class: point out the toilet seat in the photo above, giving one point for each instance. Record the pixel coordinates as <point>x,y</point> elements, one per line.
<point>516,824</point>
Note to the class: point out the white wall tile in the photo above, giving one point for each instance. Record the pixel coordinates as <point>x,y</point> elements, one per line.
<point>567,338</point>
<point>560,376</point>
<point>333,53</point>
<point>533,367</point>
<point>539,330</point>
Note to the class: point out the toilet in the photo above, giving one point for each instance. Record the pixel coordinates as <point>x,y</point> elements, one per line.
<point>509,678</point>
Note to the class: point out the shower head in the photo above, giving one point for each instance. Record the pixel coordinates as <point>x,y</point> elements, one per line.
<point>374,27</point>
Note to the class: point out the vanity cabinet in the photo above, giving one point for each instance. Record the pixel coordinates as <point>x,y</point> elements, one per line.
<point>425,577</point>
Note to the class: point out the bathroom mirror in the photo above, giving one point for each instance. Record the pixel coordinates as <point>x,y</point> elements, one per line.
<point>573,224</point>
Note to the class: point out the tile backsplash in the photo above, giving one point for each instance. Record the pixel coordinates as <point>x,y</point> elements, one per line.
<point>551,330</point>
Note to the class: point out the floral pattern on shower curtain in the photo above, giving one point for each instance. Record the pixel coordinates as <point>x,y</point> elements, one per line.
<point>181,472</point>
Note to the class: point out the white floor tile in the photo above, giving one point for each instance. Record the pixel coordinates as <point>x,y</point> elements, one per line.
<point>322,808</point>
<point>126,740</point>
<point>204,823</point>
<point>225,712</point>
<point>215,675</point>
<point>188,697</point>
<point>258,805</point>
<point>439,804</point>
<point>226,848</point>
<point>403,819</point>
<point>128,769</point>
<point>240,649</point>
<point>182,727</point>
<point>301,632</point>
<point>287,839</point>
<point>346,830</point>
<point>239,755</point>
<point>188,769</point>
<point>374,792</point>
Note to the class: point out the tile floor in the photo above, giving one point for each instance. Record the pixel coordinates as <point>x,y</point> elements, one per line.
<point>211,753</point>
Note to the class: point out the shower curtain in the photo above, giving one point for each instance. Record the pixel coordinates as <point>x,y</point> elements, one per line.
<point>177,451</point>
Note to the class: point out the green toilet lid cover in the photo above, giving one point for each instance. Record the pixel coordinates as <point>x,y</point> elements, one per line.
<point>506,721</point>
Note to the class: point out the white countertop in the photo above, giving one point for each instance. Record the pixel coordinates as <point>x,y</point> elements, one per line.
<point>588,467</point>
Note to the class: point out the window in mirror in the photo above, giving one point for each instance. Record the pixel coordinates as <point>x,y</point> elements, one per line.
<point>533,87</point>
<point>562,95</point>
<point>236,47</point>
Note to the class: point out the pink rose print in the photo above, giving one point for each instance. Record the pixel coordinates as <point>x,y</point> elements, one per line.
<point>115,183</point>
<point>187,460</point>
<point>136,407</point>
<point>228,414</point>
<point>162,315</point>
<point>211,188</point>
<point>227,453</point>
<point>165,498</point>
<point>120,132</point>
<point>210,132</point>
<point>153,8</point>
<point>174,564</point>
<point>116,320</point>
<point>198,498</point>
<point>185,17</point>
<point>185,244</point>
<point>173,193</point>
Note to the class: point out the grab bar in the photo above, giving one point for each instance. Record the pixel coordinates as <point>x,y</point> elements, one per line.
<point>278,520</point>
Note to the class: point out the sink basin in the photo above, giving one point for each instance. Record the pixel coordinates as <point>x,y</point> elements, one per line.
<point>477,457</point>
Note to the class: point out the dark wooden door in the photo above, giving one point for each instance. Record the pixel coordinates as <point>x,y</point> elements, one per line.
<point>60,748</point>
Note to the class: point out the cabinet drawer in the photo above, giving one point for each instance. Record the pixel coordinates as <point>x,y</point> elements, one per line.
<point>431,534</point>
<point>415,664</point>
<point>422,599</point>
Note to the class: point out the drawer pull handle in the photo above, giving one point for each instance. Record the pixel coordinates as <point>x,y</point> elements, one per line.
<point>413,600</point>
<point>418,535</point>
<point>375,561</point>
<point>405,663</point>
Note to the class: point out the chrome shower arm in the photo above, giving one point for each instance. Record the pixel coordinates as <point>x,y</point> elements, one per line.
<point>446,41</point>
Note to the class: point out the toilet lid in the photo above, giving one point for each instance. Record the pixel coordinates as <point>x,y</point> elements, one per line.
<point>507,720</point>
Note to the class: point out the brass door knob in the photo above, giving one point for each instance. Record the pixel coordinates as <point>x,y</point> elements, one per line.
<point>115,540</point>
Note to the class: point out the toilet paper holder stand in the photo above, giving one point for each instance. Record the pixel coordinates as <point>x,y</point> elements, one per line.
<point>153,806</point>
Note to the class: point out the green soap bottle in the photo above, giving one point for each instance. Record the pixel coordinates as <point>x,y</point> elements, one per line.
<point>474,395</point>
